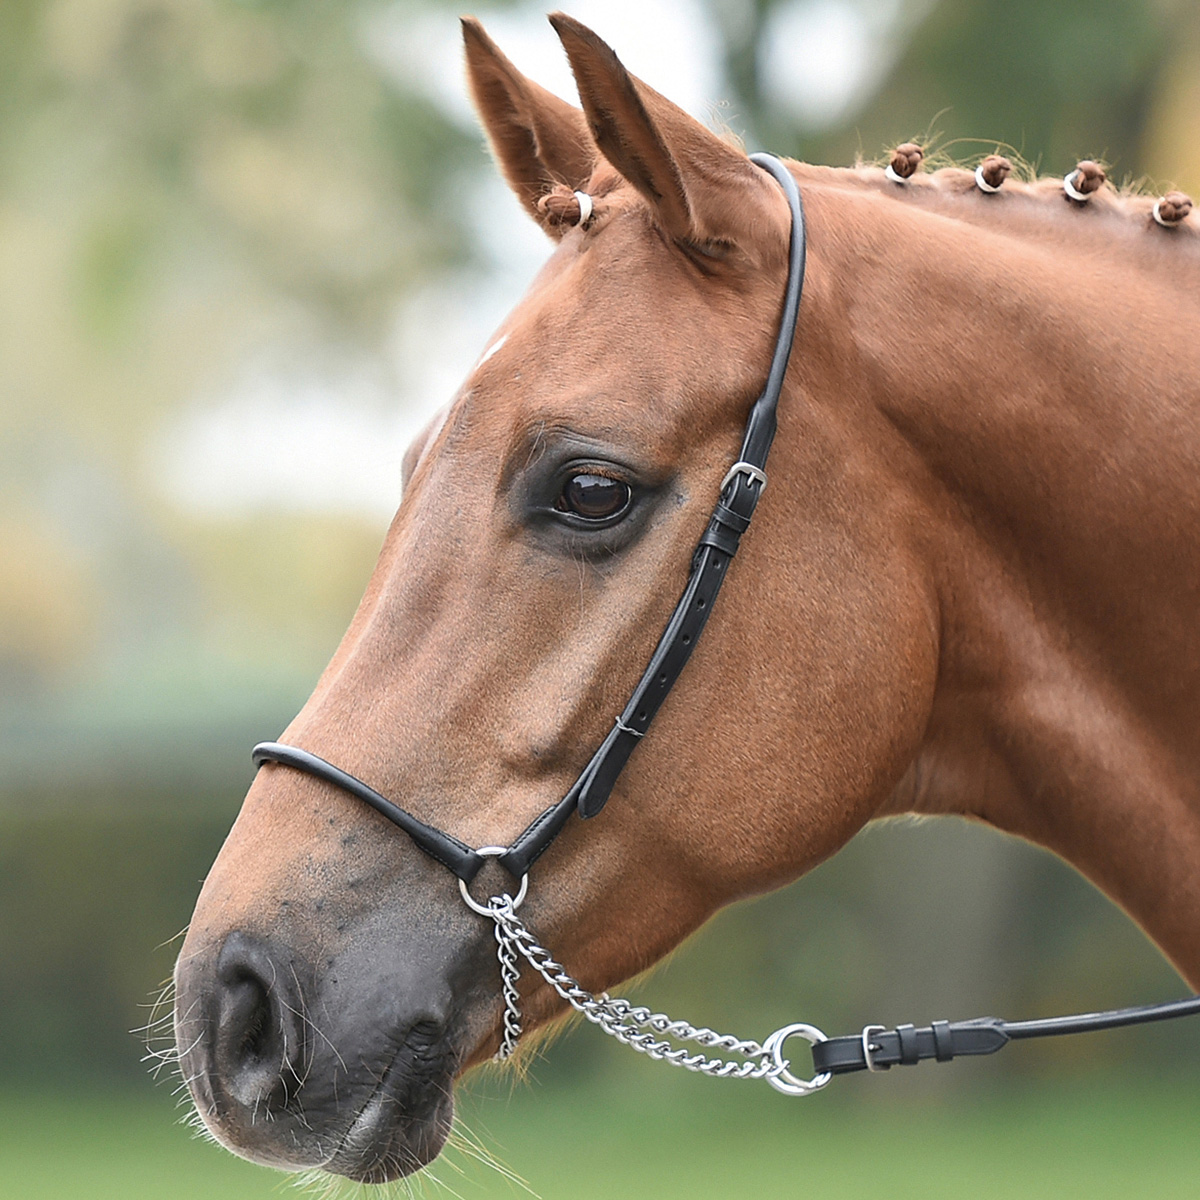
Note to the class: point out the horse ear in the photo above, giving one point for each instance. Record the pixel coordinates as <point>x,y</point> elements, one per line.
<point>696,182</point>
<point>538,139</point>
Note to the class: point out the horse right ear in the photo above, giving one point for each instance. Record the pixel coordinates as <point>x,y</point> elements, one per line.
<point>538,139</point>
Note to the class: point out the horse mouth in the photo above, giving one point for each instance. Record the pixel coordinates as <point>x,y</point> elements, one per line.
<point>405,1121</point>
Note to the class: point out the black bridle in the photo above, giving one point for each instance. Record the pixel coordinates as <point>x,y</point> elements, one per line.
<point>876,1048</point>
<point>740,492</point>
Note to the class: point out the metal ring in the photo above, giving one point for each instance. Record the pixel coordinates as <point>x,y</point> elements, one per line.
<point>585,208</point>
<point>1072,191</point>
<point>869,1049</point>
<point>785,1081</point>
<point>749,470</point>
<point>982,184</point>
<point>484,910</point>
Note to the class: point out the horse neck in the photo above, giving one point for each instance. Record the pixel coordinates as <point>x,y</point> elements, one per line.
<point>1033,379</point>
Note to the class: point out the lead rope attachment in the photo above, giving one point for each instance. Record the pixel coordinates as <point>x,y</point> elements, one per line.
<point>641,1029</point>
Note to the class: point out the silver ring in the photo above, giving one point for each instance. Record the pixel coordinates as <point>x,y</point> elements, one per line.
<point>485,910</point>
<point>1072,191</point>
<point>869,1049</point>
<point>785,1081</point>
<point>981,183</point>
<point>585,208</point>
<point>749,470</point>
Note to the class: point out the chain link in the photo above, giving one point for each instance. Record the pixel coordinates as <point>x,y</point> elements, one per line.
<point>636,1026</point>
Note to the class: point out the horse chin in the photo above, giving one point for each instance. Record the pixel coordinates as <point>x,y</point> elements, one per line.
<point>400,1128</point>
<point>385,1142</point>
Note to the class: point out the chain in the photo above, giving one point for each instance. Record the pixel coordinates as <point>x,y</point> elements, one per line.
<point>636,1026</point>
<point>510,975</point>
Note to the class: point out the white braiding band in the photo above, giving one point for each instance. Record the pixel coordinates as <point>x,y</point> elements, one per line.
<point>1072,191</point>
<point>1157,214</point>
<point>585,207</point>
<point>981,183</point>
<point>893,175</point>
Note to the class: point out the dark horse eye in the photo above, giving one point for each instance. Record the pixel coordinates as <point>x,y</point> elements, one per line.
<point>594,497</point>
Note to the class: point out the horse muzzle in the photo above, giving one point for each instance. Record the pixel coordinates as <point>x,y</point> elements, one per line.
<point>347,1067</point>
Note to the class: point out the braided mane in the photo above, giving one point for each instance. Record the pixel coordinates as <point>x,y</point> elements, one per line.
<point>1086,189</point>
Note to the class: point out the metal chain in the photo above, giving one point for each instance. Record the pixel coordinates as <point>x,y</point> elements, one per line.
<point>636,1026</point>
<point>510,975</point>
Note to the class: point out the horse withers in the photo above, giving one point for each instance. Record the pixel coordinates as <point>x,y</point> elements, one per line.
<point>971,588</point>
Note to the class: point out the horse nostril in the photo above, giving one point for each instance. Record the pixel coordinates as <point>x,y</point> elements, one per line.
<point>258,1041</point>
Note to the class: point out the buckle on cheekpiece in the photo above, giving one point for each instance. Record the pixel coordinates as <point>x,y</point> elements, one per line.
<point>751,472</point>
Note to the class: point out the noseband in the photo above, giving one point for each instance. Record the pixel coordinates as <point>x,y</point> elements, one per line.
<point>875,1049</point>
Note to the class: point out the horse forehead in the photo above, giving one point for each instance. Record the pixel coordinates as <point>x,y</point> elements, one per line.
<point>598,335</point>
<point>606,285</point>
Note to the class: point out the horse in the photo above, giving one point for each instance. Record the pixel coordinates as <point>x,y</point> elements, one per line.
<point>971,588</point>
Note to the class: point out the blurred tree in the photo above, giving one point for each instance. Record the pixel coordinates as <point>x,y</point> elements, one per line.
<point>181,183</point>
<point>1057,81</point>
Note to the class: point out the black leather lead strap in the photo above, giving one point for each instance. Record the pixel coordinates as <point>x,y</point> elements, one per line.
<point>944,1040</point>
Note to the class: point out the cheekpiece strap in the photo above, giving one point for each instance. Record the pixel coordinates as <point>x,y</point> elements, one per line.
<point>740,492</point>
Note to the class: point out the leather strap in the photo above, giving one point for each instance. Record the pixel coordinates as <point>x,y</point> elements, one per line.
<point>874,1047</point>
<point>739,496</point>
<point>944,1040</point>
<point>719,543</point>
<point>443,847</point>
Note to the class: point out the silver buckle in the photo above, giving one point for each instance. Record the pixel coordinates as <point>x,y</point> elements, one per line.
<point>869,1047</point>
<point>749,470</point>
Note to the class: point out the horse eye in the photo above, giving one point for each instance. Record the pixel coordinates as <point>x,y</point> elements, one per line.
<point>594,497</point>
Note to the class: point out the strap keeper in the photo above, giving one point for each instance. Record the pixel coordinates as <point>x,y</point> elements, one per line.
<point>725,530</point>
<point>943,1041</point>
<point>910,1052</point>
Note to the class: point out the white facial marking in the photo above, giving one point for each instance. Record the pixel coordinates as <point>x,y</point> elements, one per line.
<point>491,350</point>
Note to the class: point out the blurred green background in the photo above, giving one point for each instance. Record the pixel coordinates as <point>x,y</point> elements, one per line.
<point>246,248</point>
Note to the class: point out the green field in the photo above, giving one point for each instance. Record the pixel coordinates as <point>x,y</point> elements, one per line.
<point>671,1138</point>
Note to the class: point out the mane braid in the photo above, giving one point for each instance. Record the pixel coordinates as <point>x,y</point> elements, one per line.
<point>933,165</point>
<point>1008,177</point>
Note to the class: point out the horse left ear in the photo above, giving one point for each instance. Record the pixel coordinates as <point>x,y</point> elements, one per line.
<point>538,139</point>
<point>702,189</point>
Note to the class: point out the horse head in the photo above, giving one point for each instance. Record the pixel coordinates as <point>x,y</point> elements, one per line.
<point>333,984</point>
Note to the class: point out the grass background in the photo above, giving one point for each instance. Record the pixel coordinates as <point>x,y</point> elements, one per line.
<point>670,1137</point>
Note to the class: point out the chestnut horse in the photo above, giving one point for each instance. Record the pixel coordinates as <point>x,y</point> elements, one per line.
<point>971,588</point>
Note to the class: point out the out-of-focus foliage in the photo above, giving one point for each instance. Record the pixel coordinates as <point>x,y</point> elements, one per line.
<point>1113,79</point>
<point>188,187</point>
<point>181,183</point>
